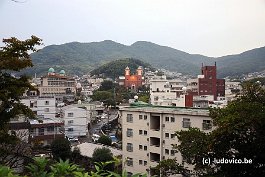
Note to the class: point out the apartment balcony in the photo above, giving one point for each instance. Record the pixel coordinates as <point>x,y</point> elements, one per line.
<point>153,163</point>
<point>155,122</point>
<point>154,157</point>
<point>155,145</point>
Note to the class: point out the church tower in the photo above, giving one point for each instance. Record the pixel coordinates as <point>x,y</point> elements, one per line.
<point>127,71</point>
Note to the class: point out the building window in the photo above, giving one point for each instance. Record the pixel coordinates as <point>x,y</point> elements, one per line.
<point>140,132</point>
<point>46,102</point>
<point>46,110</point>
<point>70,114</point>
<point>140,162</point>
<point>186,123</point>
<point>145,117</point>
<point>207,125</point>
<point>129,147</point>
<point>172,119</point>
<point>172,152</point>
<point>70,129</point>
<point>167,135</point>
<point>145,163</point>
<point>41,131</point>
<point>129,174</point>
<point>140,147</point>
<point>145,132</point>
<point>140,116</point>
<point>145,148</point>
<point>173,136</point>
<point>129,161</point>
<point>50,129</point>
<point>129,118</point>
<point>167,151</point>
<point>129,132</point>
<point>167,119</point>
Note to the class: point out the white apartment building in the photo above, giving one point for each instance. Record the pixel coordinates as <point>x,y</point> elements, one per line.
<point>44,106</point>
<point>76,121</point>
<point>163,92</point>
<point>148,134</point>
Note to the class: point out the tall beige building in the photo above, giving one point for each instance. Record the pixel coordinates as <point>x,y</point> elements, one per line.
<point>148,132</point>
<point>56,84</point>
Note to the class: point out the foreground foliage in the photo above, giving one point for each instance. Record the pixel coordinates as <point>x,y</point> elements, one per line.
<point>14,57</point>
<point>42,168</point>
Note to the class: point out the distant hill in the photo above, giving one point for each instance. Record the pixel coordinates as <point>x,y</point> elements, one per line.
<point>116,68</point>
<point>81,58</point>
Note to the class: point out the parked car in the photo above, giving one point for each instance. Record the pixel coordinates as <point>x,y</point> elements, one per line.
<point>95,137</point>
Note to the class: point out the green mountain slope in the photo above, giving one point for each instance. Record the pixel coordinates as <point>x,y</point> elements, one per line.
<point>81,58</point>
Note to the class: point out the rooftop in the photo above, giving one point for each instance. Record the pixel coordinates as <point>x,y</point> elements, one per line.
<point>138,107</point>
<point>87,149</point>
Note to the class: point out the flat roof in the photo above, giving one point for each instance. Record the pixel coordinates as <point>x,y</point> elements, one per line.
<point>87,149</point>
<point>166,109</point>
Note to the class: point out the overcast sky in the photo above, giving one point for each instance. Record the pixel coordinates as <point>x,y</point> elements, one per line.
<point>208,27</point>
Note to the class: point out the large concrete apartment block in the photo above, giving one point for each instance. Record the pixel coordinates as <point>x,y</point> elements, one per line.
<point>148,132</point>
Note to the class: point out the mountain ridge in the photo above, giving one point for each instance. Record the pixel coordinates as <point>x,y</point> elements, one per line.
<point>81,58</point>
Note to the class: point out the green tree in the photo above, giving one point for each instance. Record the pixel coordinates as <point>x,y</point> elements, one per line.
<point>14,56</point>
<point>61,149</point>
<point>240,134</point>
<point>102,96</point>
<point>106,85</point>
<point>168,167</point>
<point>103,155</point>
<point>105,140</point>
<point>39,167</point>
<point>144,98</point>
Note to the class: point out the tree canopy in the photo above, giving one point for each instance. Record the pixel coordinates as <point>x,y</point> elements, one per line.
<point>105,140</point>
<point>61,149</point>
<point>103,155</point>
<point>14,56</point>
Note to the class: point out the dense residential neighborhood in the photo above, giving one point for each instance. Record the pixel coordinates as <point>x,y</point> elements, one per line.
<point>132,88</point>
<point>142,131</point>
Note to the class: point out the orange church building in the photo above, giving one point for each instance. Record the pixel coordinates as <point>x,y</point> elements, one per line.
<point>132,81</point>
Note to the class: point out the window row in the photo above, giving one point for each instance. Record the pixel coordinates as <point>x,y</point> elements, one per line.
<point>130,117</point>
<point>142,117</point>
<point>172,136</point>
<point>129,162</point>
<point>129,147</point>
<point>172,152</point>
<point>142,132</point>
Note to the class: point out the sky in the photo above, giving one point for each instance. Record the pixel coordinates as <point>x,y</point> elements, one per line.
<point>208,27</point>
